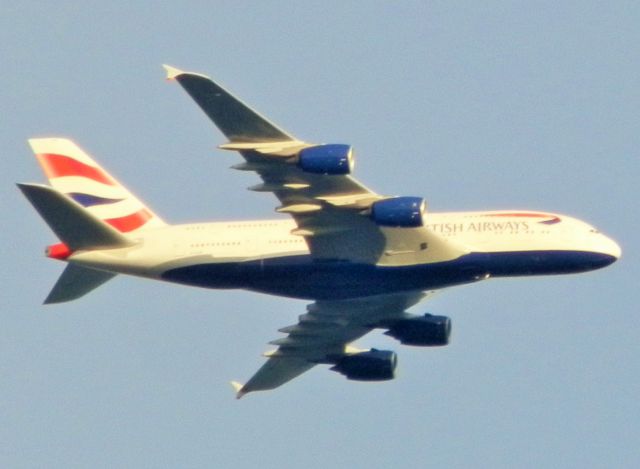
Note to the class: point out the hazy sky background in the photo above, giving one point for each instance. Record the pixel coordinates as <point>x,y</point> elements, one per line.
<point>475,105</point>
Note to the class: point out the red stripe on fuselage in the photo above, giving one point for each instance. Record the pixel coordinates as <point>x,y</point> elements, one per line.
<point>130,222</point>
<point>521,214</point>
<point>56,166</point>
<point>550,219</point>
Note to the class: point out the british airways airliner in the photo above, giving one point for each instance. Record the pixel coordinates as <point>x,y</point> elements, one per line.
<point>362,259</point>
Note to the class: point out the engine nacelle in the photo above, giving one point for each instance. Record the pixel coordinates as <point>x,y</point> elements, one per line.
<point>333,159</point>
<point>373,365</point>
<point>403,212</point>
<point>427,330</point>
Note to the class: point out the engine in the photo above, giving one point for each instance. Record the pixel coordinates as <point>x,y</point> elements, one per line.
<point>373,365</point>
<point>403,212</point>
<point>427,330</point>
<point>332,159</point>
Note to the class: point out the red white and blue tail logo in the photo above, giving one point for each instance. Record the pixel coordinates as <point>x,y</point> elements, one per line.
<point>73,172</point>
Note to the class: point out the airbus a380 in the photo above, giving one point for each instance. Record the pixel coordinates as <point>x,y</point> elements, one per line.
<point>361,258</point>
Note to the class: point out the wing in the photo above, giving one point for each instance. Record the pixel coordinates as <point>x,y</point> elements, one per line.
<point>322,335</point>
<point>328,209</point>
<point>332,214</point>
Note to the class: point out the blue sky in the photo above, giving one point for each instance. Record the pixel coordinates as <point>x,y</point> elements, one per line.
<point>474,105</point>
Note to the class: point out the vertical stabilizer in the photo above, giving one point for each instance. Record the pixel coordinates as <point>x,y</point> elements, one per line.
<point>74,173</point>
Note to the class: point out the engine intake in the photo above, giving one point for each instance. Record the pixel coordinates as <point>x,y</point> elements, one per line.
<point>333,159</point>
<point>403,212</point>
<point>373,365</point>
<point>426,331</point>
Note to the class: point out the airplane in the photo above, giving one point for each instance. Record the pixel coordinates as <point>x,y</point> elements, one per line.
<point>361,258</point>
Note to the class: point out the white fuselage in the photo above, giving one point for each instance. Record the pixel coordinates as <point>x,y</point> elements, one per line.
<point>263,255</point>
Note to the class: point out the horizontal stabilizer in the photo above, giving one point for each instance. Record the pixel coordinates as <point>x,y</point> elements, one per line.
<point>76,281</point>
<point>71,222</point>
<point>235,119</point>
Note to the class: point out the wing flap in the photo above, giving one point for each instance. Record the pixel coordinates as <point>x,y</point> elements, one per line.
<point>286,149</point>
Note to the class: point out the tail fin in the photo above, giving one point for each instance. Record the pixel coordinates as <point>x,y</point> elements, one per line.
<point>74,173</point>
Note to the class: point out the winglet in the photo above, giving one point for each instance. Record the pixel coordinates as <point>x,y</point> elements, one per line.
<point>237,387</point>
<point>172,72</point>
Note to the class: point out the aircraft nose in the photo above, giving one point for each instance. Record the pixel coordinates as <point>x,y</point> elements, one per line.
<point>610,251</point>
<point>612,248</point>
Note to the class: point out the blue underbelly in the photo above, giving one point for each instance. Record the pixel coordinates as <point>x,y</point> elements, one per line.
<point>304,277</point>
